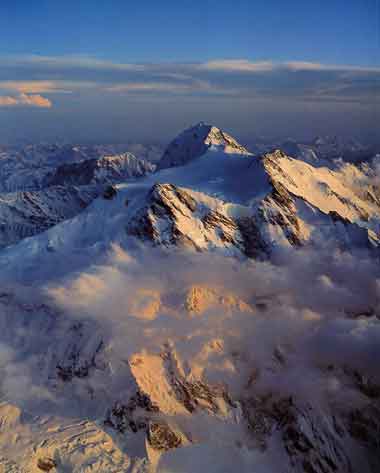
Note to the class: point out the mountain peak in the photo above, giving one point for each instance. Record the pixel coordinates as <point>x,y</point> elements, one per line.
<point>195,141</point>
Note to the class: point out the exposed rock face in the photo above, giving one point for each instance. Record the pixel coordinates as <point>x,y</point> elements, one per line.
<point>194,142</point>
<point>133,416</point>
<point>46,464</point>
<point>173,216</point>
<point>162,438</point>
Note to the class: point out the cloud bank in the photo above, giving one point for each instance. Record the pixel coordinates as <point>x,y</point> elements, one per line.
<point>262,97</point>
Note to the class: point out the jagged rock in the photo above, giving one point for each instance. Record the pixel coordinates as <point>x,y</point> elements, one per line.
<point>46,464</point>
<point>134,415</point>
<point>110,192</point>
<point>161,437</point>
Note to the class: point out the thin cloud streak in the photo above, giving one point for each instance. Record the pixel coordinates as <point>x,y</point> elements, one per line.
<point>72,61</point>
<point>294,80</point>
<point>34,87</point>
<point>237,65</point>
<point>244,65</point>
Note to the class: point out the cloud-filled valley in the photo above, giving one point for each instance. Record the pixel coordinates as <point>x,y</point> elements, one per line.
<point>295,330</point>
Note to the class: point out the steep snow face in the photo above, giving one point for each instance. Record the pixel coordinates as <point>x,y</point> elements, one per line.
<point>194,142</point>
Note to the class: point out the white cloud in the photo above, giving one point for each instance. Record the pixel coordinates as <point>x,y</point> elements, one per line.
<point>34,100</point>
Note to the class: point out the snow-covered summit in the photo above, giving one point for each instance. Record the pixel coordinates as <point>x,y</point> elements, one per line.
<point>195,141</point>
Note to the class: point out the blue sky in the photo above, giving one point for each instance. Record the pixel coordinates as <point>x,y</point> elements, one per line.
<point>122,59</point>
<point>330,31</point>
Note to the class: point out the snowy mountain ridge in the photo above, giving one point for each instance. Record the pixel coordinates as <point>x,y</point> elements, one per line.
<point>107,169</point>
<point>234,204</point>
<point>211,316</point>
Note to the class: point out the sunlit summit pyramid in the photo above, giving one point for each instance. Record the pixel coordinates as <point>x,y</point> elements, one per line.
<point>195,141</point>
